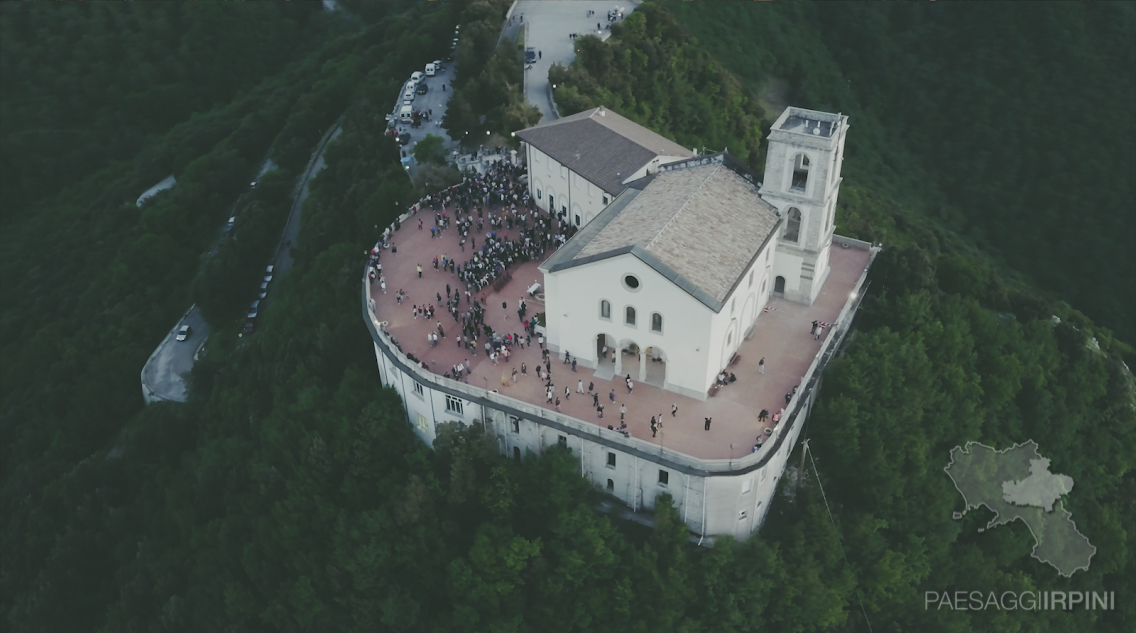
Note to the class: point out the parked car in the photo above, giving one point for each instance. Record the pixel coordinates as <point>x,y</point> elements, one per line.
<point>268,273</point>
<point>404,139</point>
<point>252,185</point>
<point>184,333</point>
<point>254,309</point>
<point>417,77</point>
<point>263,289</point>
<point>249,325</point>
<point>530,55</point>
<point>422,89</point>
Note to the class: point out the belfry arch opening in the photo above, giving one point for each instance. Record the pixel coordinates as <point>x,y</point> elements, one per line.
<point>800,172</point>
<point>793,225</point>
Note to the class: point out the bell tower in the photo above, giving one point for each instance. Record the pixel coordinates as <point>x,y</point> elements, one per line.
<point>802,180</point>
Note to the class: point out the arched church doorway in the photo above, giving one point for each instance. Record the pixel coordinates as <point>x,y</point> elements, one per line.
<point>656,361</point>
<point>630,361</point>
<point>605,356</point>
<point>779,285</point>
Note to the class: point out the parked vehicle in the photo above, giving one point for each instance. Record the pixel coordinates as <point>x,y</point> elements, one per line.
<point>184,333</point>
<point>268,273</point>
<point>422,89</point>
<point>254,309</point>
<point>530,55</point>
<point>430,69</point>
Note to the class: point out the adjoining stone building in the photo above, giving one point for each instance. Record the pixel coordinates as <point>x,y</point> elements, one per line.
<point>692,267</point>
<point>578,164</point>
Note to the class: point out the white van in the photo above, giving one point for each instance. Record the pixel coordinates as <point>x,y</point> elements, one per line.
<point>406,114</point>
<point>430,68</point>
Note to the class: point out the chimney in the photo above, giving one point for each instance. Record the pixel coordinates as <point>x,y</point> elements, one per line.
<point>602,112</point>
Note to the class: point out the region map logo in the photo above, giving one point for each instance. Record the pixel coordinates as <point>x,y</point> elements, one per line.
<point>1015,483</point>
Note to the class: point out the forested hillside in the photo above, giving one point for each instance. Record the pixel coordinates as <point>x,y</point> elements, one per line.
<point>87,82</point>
<point>290,494</point>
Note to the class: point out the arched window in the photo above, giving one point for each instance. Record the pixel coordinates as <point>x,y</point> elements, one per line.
<point>800,173</point>
<point>630,316</point>
<point>793,225</point>
<point>657,323</point>
<point>750,279</point>
<point>517,453</point>
<point>605,309</point>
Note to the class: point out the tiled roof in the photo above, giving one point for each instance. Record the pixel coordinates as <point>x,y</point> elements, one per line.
<point>698,222</point>
<point>600,145</point>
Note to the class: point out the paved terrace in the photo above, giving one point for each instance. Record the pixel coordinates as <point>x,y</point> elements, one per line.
<point>781,336</point>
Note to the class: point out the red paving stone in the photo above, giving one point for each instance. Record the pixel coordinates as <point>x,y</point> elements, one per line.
<point>781,336</point>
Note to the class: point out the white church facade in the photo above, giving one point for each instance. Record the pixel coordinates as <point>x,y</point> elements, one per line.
<point>683,267</point>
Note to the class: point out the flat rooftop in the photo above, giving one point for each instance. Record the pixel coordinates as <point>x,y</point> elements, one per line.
<point>805,125</point>
<point>781,336</point>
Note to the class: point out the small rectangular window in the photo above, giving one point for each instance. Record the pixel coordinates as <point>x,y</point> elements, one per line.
<point>516,424</point>
<point>747,485</point>
<point>664,477</point>
<point>538,194</point>
<point>423,424</point>
<point>611,460</point>
<point>577,219</point>
<point>454,405</point>
<point>742,515</point>
<point>605,199</point>
<point>418,388</point>
<point>562,440</point>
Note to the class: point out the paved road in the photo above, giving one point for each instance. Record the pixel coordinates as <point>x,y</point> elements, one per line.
<point>547,26</point>
<point>164,375</point>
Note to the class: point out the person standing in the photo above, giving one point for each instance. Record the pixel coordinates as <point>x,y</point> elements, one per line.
<point>674,410</point>
<point>630,385</point>
<point>622,411</point>
<point>611,396</point>
<point>420,271</point>
<point>654,427</point>
<point>761,365</point>
<point>524,369</point>
<point>514,374</point>
<point>591,387</point>
<point>566,392</point>
<point>707,427</point>
<point>573,364</point>
<point>595,399</point>
<point>579,386</point>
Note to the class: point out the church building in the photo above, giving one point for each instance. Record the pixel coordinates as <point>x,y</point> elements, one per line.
<point>665,283</point>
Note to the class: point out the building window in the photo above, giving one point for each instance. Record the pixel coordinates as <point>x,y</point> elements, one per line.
<point>577,219</point>
<point>763,282</point>
<point>538,194</point>
<point>631,282</point>
<point>418,388</point>
<point>800,173</point>
<point>454,405</point>
<point>733,304</point>
<point>611,460</point>
<point>747,485</point>
<point>793,226</point>
<point>562,441</point>
<point>605,199</point>
<point>423,424</point>
<point>751,278</point>
<point>516,424</point>
<point>657,323</point>
<point>742,515</point>
<point>664,477</point>
<point>605,309</point>
<point>629,319</point>
<point>517,453</point>
<point>610,486</point>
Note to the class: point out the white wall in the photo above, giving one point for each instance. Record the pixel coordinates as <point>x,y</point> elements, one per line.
<point>573,319</point>
<point>570,190</point>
